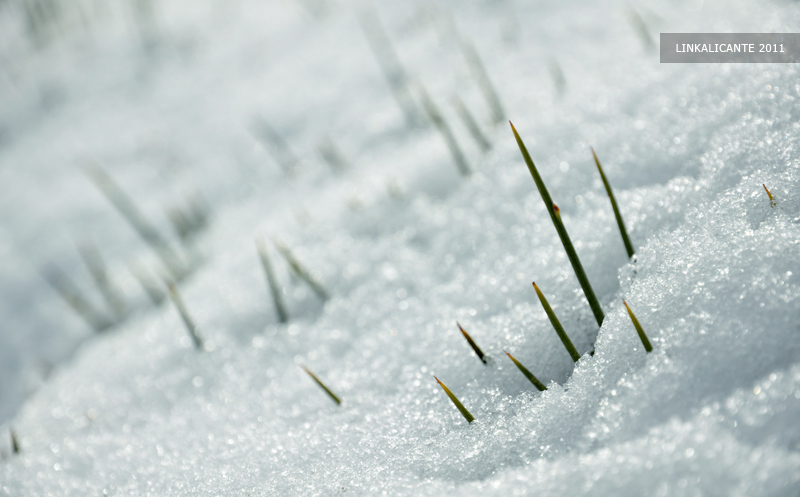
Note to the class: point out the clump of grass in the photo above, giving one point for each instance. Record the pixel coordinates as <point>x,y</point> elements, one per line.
<point>187,320</point>
<point>472,344</point>
<point>276,146</point>
<point>482,77</point>
<point>538,384</point>
<point>555,216</point>
<point>97,268</point>
<point>772,202</point>
<point>625,239</point>
<point>557,325</point>
<point>438,120</point>
<point>300,270</point>
<point>639,329</point>
<point>471,124</point>
<point>331,154</point>
<point>322,385</point>
<point>138,221</point>
<point>67,290</point>
<point>272,281</point>
<point>464,412</point>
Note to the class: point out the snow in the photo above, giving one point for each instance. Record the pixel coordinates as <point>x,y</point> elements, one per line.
<point>405,247</point>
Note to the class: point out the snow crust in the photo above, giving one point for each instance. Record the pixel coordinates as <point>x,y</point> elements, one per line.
<point>406,247</point>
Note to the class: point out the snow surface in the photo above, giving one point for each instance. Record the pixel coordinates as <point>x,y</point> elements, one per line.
<point>406,247</point>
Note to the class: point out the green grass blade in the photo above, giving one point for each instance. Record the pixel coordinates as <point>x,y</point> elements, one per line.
<point>562,232</point>
<point>67,290</point>
<point>472,344</point>
<point>14,442</point>
<point>482,77</point>
<point>617,214</point>
<point>187,320</point>
<point>464,412</point>
<point>639,329</point>
<point>138,221</point>
<point>538,384</point>
<point>97,268</point>
<point>471,124</point>
<point>322,385</point>
<point>300,270</point>
<point>557,325</point>
<point>272,281</point>
<point>444,129</point>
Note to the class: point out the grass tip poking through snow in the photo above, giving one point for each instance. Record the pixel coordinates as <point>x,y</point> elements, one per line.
<point>538,384</point>
<point>555,217</point>
<point>322,385</point>
<point>187,320</point>
<point>639,329</point>
<point>557,325</point>
<point>472,344</point>
<point>464,412</point>
<point>617,214</point>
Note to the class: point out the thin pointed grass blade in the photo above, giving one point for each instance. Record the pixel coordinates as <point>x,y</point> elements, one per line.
<point>70,293</point>
<point>151,288</point>
<point>482,77</point>
<point>538,384</point>
<point>272,281</point>
<point>559,80</point>
<point>276,146</point>
<point>14,442</point>
<point>639,329</point>
<point>389,62</point>
<point>557,325</point>
<point>444,129</point>
<point>187,320</point>
<point>472,344</point>
<point>97,268</point>
<point>555,216</point>
<point>625,239</point>
<point>137,220</point>
<point>331,154</point>
<point>300,270</point>
<point>471,124</point>
<point>641,29</point>
<point>464,412</point>
<point>772,202</point>
<point>322,385</point>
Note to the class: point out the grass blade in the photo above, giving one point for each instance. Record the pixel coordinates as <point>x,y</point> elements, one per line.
<point>471,124</point>
<point>136,219</point>
<point>557,325</point>
<point>388,60</point>
<point>274,286</point>
<point>617,214</point>
<point>559,80</point>
<point>538,384</point>
<point>482,77</point>
<point>301,271</point>
<point>555,216</point>
<point>97,267</point>
<point>150,286</point>
<point>641,29</point>
<point>472,344</point>
<point>332,155</point>
<point>464,412</point>
<point>276,146</point>
<point>438,120</point>
<point>14,442</point>
<point>67,290</point>
<point>322,385</point>
<point>190,326</point>
<point>772,202</point>
<point>639,329</point>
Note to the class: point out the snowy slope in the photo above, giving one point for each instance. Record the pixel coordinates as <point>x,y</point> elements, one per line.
<point>406,247</point>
